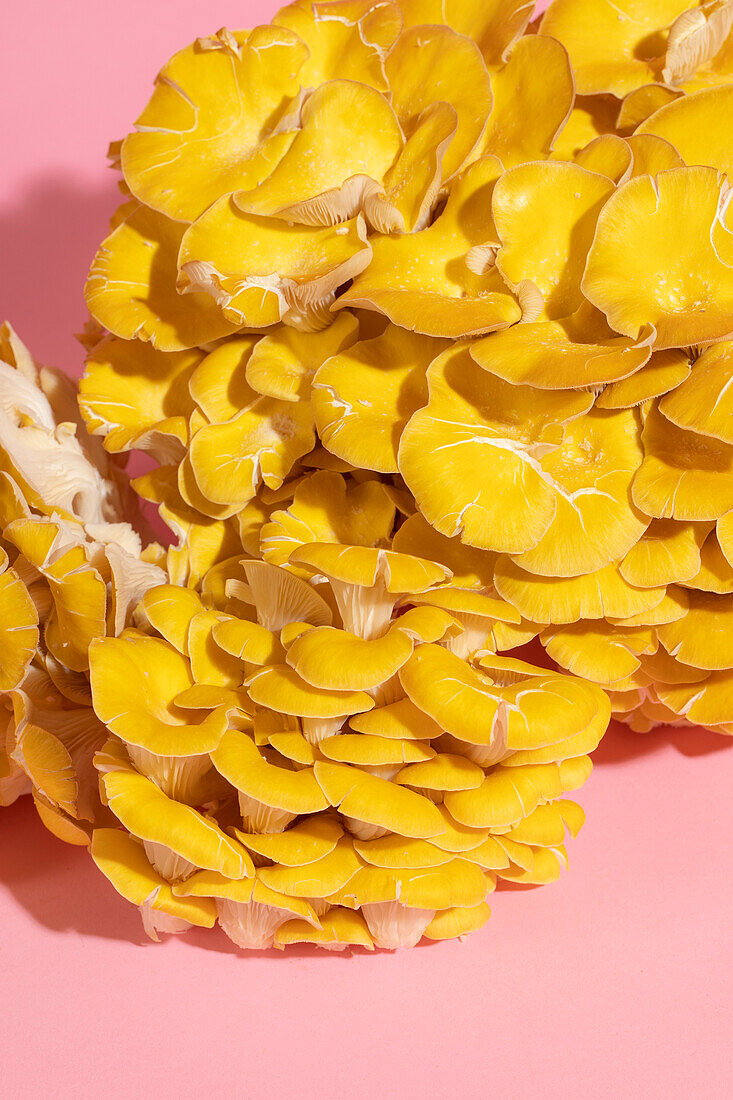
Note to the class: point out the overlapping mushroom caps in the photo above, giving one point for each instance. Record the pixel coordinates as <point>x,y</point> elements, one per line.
<point>72,570</point>
<point>424,321</point>
<point>320,744</point>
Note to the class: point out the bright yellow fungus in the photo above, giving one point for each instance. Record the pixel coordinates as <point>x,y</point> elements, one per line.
<point>423,321</point>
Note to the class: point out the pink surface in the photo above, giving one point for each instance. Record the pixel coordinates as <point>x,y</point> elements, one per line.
<point>614,982</point>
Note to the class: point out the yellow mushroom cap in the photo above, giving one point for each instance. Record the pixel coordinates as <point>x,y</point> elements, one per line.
<point>317,879</point>
<point>131,286</point>
<point>457,922</point>
<point>240,761</point>
<point>473,418</point>
<point>702,637</point>
<point>430,63</point>
<point>326,508</point>
<point>595,521</point>
<point>698,126</point>
<point>566,600</point>
<point>558,203</point>
<point>443,772</point>
<point>363,398</point>
<point>675,224</point>
<point>335,659</point>
<point>364,565</point>
<point>422,282</point>
<point>310,184</point>
<point>703,403</point>
<point>609,45</point>
<point>684,476</point>
<point>401,720</point>
<point>122,860</point>
<point>149,814</point>
<point>664,371</point>
<point>457,697</point>
<point>371,750</point>
<point>196,139</point>
<point>507,795</point>
<point>135,682</point>
<point>374,800</point>
<point>281,688</point>
<point>340,928</point>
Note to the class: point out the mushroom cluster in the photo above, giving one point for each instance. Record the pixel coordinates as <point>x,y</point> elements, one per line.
<point>422,314</point>
<point>72,569</point>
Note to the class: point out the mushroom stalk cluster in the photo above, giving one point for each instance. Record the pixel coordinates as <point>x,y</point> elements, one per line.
<point>423,315</point>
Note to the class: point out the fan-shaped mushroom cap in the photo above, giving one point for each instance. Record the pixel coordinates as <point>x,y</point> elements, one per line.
<point>211,125</point>
<point>702,637</point>
<point>507,795</point>
<point>457,922</point>
<point>240,762</point>
<point>612,48</point>
<point>595,521</point>
<point>455,883</point>
<point>378,802</point>
<point>443,772</point>
<point>571,199</point>
<point>135,396</point>
<point>325,509</point>
<point>433,63</point>
<point>279,687</point>
<point>609,155</point>
<point>684,476</point>
<point>566,600</point>
<point>364,565</point>
<point>454,695</point>
<point>698,126</point>
<point>704,402</point>
<point>412,184</point>
<point>370,750</point>
<point>261,443</point>
<point>422,281</point>
<point>709,703</point>
<point>493,24</point>
<point>715,573</point>
<point>533,96</point>
<point>319,182</point>
<point>395,852</point>
<point>346,40</point>
<point>263,270</point>
<point>579,350</point>
<point>149,814</point>
<point>169,609</point>
<point>675,224</point>
<point>318,879</point>
<point>283,363</point>
<point>598,650</point>
<point>131,286</point>
<point>471,418</point>
<point>122,860</point>
<point>135,681</point>
<point>340,928</point>
<point>247,641</point>
<point>664,371</point>
<point>363,398</point>
<point>335,659</point>
<point>401,721</point>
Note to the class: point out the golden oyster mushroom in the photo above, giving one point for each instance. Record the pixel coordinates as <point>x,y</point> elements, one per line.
<point>675,224</point>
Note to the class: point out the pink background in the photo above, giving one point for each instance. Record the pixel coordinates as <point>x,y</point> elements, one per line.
<point>615,982</point>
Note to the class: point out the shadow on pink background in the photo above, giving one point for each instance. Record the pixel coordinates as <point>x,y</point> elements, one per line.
<point>614,982</point>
